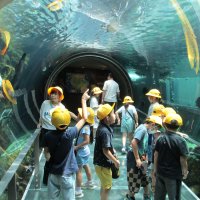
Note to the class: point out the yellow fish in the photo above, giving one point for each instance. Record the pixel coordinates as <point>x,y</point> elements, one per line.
<point>56,5</point>
<point>190,38</point>
<point>7,41</point>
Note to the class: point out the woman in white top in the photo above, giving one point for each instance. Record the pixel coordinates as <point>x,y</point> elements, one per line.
<point>94,104</point>
<point>129,120</point>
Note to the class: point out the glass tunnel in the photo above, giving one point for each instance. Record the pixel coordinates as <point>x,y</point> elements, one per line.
<point>75,43</point>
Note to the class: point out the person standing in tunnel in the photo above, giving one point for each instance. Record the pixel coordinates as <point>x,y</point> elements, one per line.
<point>137,159</point>
<point>129,121</point>
<point>55,98</point>
<point>94,104</point>
<point>170,160</point>
<point>103,150</point>
<point>111,92</point>
<point>59,151</point>
<point>154,98</point>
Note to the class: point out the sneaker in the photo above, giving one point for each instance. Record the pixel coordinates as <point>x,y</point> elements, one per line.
<point>124,150</point>
<point>129,197</point>
<point>79,194</point>
<point>88,185</point>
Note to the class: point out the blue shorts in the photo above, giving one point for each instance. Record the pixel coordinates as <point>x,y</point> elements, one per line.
<point>82,160</point>
<point>127,126</point>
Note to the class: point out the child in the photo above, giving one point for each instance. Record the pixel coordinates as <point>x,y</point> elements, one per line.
<point>94,104</point>
<point>154,98</point>
<point>170,160</point>
<point>137,158</point>
<point>59,151</point>
<point>55,98</point>
<point>129,120</point>
<point>83,153</point>
<point>103,150</point>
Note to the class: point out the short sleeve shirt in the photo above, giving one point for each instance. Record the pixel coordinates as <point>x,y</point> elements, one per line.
<point>169,158</point>
<point>104,137</point>
<point>59,144</point>
<point>84,150</point>
<point>45,114</point>
<point>141,135</point>
<point>125,114</point>
<point>94,104</point>
<point>111,89</point>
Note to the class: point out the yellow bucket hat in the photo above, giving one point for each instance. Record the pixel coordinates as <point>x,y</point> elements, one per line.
<point>60,118</point>
<point>128,99</point>
<point>96,90</point>
<point>173,118</point>
<point>154,119</point>
<point>8,91</point>
<point>158,110</point>
<point>154,93</point>
<point>56,88</point>
<point>90,115</point>
<point>104,110</point>
<point>168,110</point>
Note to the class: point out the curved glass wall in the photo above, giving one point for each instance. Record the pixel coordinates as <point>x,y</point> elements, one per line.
<point>156,44</point>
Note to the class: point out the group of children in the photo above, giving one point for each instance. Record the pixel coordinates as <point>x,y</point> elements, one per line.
<point>67,152</point>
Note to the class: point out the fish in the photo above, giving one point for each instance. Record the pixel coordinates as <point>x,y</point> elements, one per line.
<point>56,5</point>
<point>7,41</point>
<point>190,38</point>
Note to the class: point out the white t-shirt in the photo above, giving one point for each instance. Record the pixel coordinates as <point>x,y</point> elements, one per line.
<point>111,88</point>
<point>125,114</point>
<point>45,116</point>
<point>94,104</point>
<point>150,111</point>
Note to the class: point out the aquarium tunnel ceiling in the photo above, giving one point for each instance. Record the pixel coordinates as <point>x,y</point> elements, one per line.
<point>137,40</point>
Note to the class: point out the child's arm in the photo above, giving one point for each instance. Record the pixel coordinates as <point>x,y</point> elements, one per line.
<point>47,154</point>
<point>111,157</point>
<point>155,162</point>
<point>73,116</point>
<point>84,99</point>
<point>117,117</point>
<point>136,119</point>
<point>135,152</point>
<point>184,166</point>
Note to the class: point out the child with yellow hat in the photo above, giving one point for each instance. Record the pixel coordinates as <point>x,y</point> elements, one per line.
<point>103,150</point>
<point>129,120</point>
<point>83,152</point>
<point>59,151</point>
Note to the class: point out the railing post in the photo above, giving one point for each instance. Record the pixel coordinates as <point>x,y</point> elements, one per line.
<point>12,190</point>
<point>36,159</point>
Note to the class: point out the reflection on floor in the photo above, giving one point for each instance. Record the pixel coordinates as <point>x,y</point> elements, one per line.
<point>119,188</point>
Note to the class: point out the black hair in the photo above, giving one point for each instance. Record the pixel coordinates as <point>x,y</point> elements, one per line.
<point>172,126</point>
<point>110,75</point>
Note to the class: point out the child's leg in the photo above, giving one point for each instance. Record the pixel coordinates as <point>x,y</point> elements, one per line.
<point>79,177</point>
<point>130,137</point>
<point>88,172</point>
<point>131,183</point>
<point>124,135</point>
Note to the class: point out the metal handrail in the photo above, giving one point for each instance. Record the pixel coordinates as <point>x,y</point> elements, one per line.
<point>8,181</point>
<point>187,138</point>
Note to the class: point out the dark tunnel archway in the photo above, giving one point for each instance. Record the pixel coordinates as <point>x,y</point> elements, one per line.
<point>89,69</point>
